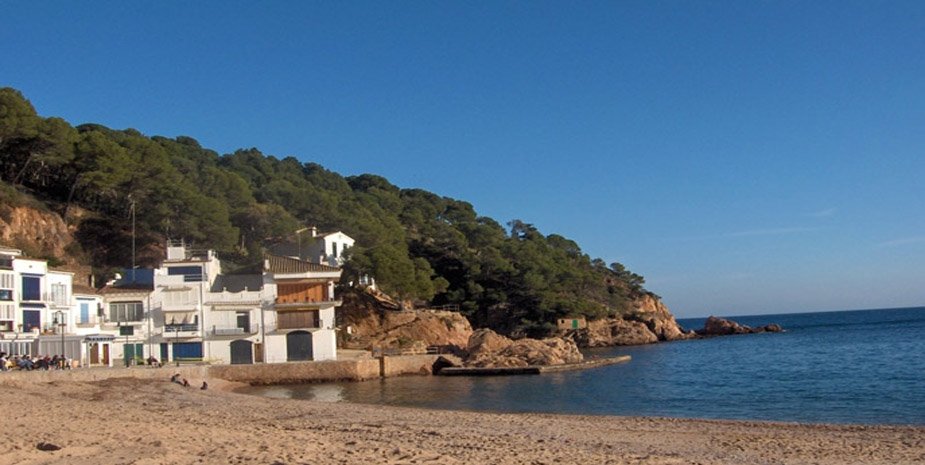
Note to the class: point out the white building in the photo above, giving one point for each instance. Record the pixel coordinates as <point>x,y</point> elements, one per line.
<point>125,328</point>
<point>284,314</point>
<point>184,310</point>
<point>300,324</point>
<point>37,307</point>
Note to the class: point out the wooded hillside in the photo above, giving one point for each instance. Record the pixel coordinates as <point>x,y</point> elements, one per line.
<point>417,244</point>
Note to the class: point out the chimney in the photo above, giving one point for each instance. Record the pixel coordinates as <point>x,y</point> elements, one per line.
<point>314,230</point>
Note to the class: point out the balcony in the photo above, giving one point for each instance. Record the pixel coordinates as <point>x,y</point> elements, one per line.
<point>187,307</point>
<point>57,300</point>
<point>308,304</point>
<point>235,330</point>
<point>90,322</point>
<point>233,298</point>
<point>181,330</point>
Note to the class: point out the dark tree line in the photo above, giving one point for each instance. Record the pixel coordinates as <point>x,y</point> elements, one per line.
<point>418,245</point>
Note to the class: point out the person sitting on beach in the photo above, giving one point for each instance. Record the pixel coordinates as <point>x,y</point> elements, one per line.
<point>152,361</point>
<point>3,361</point>
<point>25,363</point>
<point>185,383</point>
<point>175,378</point>
<point>205,386</point>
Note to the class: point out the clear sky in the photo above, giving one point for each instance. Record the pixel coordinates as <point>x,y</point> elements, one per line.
<point>745,157</point>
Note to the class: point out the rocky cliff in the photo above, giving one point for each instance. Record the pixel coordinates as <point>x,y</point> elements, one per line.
<point>375,321</point>
<point>35,231</point>
<point>649,321</point>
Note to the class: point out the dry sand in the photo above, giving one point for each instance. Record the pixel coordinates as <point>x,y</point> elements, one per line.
<point>131,421</point>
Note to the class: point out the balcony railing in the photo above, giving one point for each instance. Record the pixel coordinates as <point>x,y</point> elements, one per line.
<point>183,327</point>
<point>234,330</point>
<point>57,300</point>
<point>92,320</point>
<point>225,297</point>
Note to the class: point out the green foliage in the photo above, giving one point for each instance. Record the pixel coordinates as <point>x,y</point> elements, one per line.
<point>418,245</point>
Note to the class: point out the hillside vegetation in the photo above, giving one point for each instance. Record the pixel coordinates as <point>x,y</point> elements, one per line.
<point>418,245</point>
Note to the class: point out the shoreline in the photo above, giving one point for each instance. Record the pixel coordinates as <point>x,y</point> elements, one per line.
<point>241,389</point>
<point>148,421</point>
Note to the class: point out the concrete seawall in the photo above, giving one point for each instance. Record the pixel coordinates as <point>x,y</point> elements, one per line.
<point>258,374</point>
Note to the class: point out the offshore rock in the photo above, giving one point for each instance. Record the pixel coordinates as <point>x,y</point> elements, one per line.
<point>488,349</point>
<point>715,326</point>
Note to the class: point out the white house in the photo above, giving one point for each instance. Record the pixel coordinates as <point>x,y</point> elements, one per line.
<point>37,307</point>
<point>125,326</point>
<point>300,323</point>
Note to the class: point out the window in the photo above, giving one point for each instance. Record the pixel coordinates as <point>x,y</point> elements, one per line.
<point>6,294</point>
<point>126,311</point>
<point>31,288</point>
<point>334,249</point>
<point>294,320</point>
<point>191,274</point>
<point>244,320</point>
<point>59,294</point>
<point>7,280</point>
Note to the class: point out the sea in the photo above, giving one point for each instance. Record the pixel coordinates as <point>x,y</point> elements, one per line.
<point>849,367</point>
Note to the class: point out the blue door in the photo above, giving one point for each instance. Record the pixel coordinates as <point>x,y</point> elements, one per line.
<point>31,319</point>
<point>187,350</point>
<point>84,312</point>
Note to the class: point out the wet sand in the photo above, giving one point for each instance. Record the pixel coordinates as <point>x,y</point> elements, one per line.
<point>132,421</point>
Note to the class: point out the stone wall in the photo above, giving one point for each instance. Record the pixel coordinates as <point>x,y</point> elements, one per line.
<point>296,373</point>
<point>408,365</point>
<point>257,374</point>
<point>190,372</point>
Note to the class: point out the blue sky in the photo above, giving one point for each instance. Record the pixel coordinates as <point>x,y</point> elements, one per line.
<point>746,157</point>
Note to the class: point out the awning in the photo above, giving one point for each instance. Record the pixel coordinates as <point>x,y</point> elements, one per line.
<point>99,338</point>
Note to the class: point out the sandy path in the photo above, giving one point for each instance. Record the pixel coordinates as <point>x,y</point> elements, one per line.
<point>129,421</point>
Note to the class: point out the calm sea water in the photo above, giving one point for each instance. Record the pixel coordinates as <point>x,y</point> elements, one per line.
<point>836,367</point>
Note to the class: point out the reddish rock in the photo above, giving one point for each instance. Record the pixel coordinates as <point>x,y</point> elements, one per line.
<point>488,349</point>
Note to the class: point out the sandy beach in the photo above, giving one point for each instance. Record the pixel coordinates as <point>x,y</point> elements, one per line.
<point>133,421</point>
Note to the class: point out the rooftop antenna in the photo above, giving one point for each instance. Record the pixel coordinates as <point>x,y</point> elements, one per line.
<point>133,235</point>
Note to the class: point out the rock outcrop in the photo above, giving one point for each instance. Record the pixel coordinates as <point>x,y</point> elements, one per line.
<point>489,349</point>
<point>376,322</point>
<point>615,332</point>
<point>648,322</point>
<point>651,311</point>
<point>36,232</point>
<point>715,326</point>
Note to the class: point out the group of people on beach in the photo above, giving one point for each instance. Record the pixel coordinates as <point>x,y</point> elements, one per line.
<point>29,363</point>
<point>176,378</point>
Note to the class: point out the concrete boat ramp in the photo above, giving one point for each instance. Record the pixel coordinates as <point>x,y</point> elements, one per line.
<point>531,370</point>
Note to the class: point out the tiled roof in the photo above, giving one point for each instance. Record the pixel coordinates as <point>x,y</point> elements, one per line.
<point>84,290</point>
<point>237,283</point>
<point>126,289</point>
<point>277,264</point>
